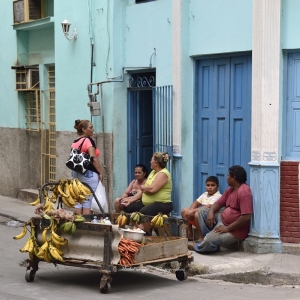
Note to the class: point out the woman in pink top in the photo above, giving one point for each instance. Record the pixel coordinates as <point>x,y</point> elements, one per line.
<point>85,130</point>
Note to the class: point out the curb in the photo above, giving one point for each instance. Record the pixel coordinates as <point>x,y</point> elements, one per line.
<point>258,276</point>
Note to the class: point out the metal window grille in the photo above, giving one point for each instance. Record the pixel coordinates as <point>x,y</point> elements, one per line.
<point>163,119</point>
<point>48,138</point>
<point>33,112</point>
<point>21,83</point>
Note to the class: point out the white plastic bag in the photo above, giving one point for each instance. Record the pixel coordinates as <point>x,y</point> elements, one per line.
<point>101,196</point>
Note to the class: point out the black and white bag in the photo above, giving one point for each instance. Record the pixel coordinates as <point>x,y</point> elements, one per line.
<point>78,161</point>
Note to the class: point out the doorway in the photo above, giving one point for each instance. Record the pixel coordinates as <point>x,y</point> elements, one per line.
<point>222,118</point>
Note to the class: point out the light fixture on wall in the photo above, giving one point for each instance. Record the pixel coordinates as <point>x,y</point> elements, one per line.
<point>66,27</point>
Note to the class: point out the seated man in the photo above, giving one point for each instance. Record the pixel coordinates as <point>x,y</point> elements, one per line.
<point>232,224</point>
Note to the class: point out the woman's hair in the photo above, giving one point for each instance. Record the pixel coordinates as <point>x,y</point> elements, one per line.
<point>144,169</point>
<point>161,158</point>
<point>239,173</point>
<point>79,124</point>
<point>213,179</point>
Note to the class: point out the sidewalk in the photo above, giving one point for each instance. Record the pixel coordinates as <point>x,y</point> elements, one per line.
<point>227,265</point>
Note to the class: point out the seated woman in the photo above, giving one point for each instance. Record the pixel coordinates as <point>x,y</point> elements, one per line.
<point>155,194</point>
<point>140,174</point>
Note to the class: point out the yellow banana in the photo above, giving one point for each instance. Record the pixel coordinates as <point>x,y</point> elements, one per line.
<point>22,234</point>
<point>154,220</point>
<point>61,192</point>
<point>48,205</point>
<point>161,221</point>
<point>72,194</point>
<point>75,189</point>
<point>124,221</point>
<point>83,189</point>
<point>58,239</point>
<point>118,220</point>
<point>44,235</point>
<point>47,257</point>
<point>54,253</point>
<point>28,247</point>
<point>66,201</point>
<point>36,202</point>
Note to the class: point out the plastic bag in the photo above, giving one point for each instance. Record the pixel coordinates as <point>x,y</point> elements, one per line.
<point>101,196</point>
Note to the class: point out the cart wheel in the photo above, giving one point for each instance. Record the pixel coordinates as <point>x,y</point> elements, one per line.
<point>106,289</point>
<point>29,276</point>
<point>181,274</point>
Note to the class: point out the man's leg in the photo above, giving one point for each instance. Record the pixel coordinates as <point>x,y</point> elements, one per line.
<point>200,220</point>
<point>212,241</point>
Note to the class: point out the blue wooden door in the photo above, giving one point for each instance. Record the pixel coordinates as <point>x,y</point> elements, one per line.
<point>140,129</point>
<point>222,118</point>
<point>291,138</point>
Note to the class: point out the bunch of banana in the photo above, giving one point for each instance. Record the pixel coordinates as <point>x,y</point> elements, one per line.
<point>31,246</point>
<point>121,220</point>
<point>135,217</point>
<point>158,220</point>
<point>71,191</point>
<point>68,227</point>
<point>79,218</point>
<point>48,204</point>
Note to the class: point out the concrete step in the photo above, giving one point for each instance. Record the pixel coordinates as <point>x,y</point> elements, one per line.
<point>288,248</point>
<point>28,195</point>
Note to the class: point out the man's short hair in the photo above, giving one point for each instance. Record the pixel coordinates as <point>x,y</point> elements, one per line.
<point>239,173</point>
<point>213,179</point>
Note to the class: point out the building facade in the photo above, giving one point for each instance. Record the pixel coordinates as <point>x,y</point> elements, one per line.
<point>214,83</point>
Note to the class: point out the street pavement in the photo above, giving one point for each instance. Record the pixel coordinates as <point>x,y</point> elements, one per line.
<point>227,265</point>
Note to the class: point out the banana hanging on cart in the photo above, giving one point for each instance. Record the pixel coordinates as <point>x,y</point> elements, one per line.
<point>158,220</point>
<point>121,220</point>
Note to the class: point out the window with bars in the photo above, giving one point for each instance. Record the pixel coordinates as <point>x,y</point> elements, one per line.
<point>48,132</point>
<point>33,110</point>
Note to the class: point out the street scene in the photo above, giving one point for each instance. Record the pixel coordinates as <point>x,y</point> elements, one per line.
<point>150,147</point>
<point>66,282</point>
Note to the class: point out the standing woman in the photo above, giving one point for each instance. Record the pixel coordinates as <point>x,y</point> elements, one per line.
<point>85,130</point>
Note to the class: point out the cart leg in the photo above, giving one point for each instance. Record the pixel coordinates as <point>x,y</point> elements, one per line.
<point>31,269</point>
<point>105,281</point>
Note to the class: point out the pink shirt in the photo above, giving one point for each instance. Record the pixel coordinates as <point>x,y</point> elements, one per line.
<point>86,145</point>
<point>237,202</point>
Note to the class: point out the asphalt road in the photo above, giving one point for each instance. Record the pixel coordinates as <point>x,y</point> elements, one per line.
<point>76,283</point>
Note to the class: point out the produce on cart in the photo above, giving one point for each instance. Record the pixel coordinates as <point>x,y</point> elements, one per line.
<point>108,242</point>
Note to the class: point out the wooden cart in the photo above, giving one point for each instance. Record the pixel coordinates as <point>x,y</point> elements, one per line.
<point>95,246</point>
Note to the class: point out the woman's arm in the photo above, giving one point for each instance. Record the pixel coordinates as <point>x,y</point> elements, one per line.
<point>127,191</point>
<point>96,164</point>
<point>159,182</point>
<point>129,200</point>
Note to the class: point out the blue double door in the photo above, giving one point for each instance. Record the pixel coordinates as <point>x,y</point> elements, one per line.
<point>222,118</point>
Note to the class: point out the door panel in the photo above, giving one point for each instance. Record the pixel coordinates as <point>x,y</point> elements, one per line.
<point>291,139</point>
<point>140,129</point>
<point>145,130</point>
<point>222,118</point>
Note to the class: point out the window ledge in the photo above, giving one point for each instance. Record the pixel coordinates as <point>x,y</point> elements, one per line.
<point>35,25</point>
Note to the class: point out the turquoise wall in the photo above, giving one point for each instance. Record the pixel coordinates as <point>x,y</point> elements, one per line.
<point>290,37</point>
<point>220,26</point>
<point>8,56</point>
